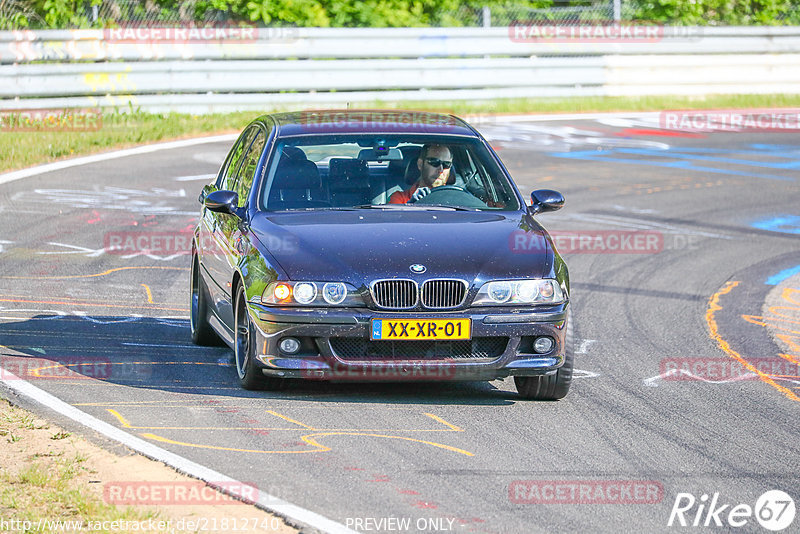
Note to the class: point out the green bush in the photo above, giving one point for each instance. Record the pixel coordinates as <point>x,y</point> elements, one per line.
<point>716,12</point>
<point>16,14</point>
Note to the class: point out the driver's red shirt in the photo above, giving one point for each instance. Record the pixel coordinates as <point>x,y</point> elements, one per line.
<point>402,197</point>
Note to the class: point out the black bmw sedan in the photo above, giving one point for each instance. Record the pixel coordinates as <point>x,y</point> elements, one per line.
<point>378,245</point>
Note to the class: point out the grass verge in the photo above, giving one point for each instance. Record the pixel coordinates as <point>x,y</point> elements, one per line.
<point>23,149</point>
<point>44,485</point>
<point>53,481</point>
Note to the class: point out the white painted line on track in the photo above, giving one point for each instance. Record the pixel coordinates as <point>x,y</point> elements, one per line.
<point>85,160</point>
<point>651,382</point>
<point>222,482</point>
<point>194,177</point>
<point>476,118</point>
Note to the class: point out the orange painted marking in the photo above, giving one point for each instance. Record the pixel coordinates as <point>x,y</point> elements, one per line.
<point>149,293</point>
<point>790,340</point>
<point>104,273</point>
<point>713,330</point>
<point>792,295</point>
<point>104,305</point>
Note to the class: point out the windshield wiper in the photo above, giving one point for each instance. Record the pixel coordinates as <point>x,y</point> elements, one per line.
<point>447,206</point>
<point>416,207</point>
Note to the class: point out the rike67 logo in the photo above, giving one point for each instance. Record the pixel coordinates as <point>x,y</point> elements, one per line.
<point>774,510</point>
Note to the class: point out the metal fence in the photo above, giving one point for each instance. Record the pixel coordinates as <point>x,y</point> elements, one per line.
<point>310,66</point>
<point>149,12</point>
<point>98,13</point>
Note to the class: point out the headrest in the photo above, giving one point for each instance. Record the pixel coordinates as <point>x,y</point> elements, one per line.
<point>410,169</point>
<point>348,174</point>
<point>293,153</point>
<point>398,166</point>
<point>292,174</point>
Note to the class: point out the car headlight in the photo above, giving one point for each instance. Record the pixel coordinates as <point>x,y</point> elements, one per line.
<point>500,292</point>
<point>286,293</point>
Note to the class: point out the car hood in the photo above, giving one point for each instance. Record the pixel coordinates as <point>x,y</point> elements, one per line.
<point>364,245</point>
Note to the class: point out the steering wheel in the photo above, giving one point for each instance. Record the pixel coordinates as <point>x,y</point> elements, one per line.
<point>447,188</point>
<point>453,195</point>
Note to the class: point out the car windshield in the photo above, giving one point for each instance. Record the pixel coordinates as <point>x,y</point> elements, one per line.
<point>385,172</point>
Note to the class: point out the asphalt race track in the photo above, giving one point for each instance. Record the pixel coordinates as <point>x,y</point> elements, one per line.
<point>684,254</point>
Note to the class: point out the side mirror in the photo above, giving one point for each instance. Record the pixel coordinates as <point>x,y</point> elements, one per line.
<point>223,202</point>
<point>543,200</point>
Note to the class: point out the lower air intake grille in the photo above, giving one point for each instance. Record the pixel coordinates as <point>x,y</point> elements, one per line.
<point>355,348</point>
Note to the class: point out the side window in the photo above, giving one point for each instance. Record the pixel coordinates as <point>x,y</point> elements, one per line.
<point>229,175</point>
<point>247,172</point>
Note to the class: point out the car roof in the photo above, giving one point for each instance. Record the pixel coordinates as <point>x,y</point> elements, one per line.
<point>367,121</point>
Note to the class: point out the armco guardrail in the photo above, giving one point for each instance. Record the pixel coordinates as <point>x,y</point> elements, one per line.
<point>80,68</point>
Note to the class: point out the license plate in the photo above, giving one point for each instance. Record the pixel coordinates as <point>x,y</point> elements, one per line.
<point>421,329</point>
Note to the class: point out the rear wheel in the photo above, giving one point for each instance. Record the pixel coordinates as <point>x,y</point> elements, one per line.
<point>550,387</point>
<point>202,333</point>
<point>244,348</point>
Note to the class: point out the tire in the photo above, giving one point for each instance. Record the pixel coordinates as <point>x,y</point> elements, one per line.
<point>202,333</point>
<point>551,387</point>
<point>244,348</point>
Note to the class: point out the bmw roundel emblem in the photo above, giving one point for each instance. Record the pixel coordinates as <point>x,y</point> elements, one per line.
<point>417,268</point>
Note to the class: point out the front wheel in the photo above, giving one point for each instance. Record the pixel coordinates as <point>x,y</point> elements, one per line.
<point>550,387</point>
<point>244,348</point>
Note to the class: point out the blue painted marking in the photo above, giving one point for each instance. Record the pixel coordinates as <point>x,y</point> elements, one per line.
<point>773,153</point>
<point>598,155</point>
<point>671,154</point>
<point>776,279</point>
<point>763,146</point>
<point>376,328</point>
<point>787,224</point>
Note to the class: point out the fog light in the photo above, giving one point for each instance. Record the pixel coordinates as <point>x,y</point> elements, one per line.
<point>543,344</point>
<point>289,345</point>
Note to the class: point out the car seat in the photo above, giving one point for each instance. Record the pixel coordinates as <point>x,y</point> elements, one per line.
<point>348,182</point>
<point>292,185</point>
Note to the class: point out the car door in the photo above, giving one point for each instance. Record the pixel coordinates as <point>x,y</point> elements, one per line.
<point>214,241</point>
<point>230,232</point>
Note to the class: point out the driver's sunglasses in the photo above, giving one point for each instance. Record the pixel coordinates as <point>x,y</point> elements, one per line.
<point>435,162</point>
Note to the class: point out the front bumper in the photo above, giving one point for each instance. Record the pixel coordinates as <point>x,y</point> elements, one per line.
<point>319,361</point>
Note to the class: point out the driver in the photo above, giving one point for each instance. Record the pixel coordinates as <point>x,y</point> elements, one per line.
<point>434,164</point>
